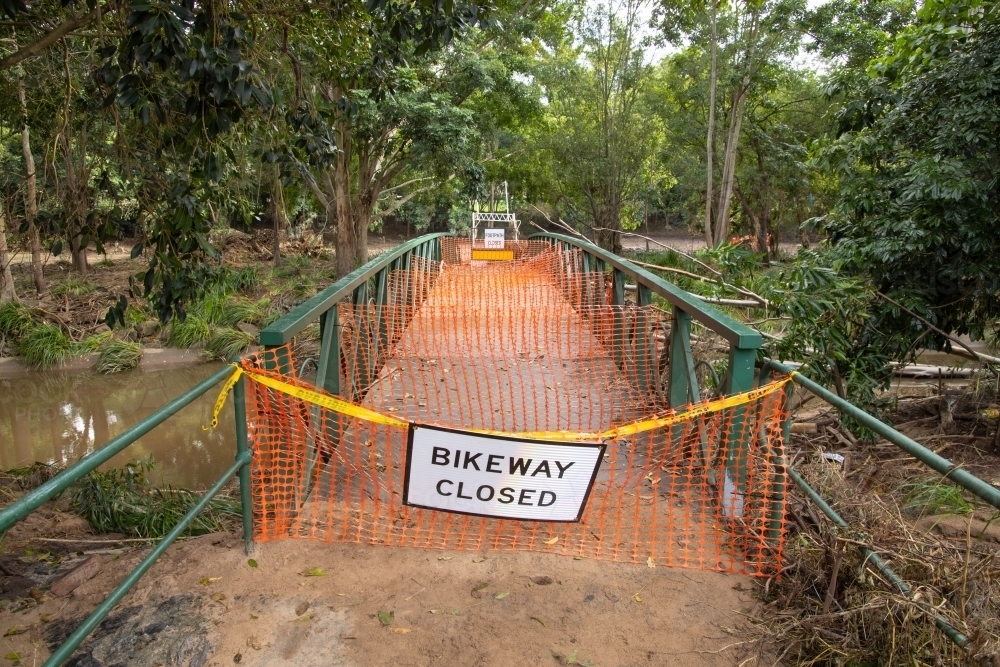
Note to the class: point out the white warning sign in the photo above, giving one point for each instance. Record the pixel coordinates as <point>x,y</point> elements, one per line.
<point>493,238</point>
<point>509,478</point>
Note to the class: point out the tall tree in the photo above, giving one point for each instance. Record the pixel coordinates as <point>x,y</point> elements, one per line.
<point>30,193</point>
<point>7,291</point>
<point>601,132</point>
<point>917,160</point>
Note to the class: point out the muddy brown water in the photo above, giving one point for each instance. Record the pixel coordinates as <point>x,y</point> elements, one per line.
<point>57,417</point>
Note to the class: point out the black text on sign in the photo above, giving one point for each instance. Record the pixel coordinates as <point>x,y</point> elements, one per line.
<point>509,478</point>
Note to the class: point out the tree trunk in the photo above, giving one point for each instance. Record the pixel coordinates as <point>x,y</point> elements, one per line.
<point>729,163</point>
<point>74,209</point>
<point>7,292</point>
<point>278,215</point>
<point>347,242</point>
<point>362,219</point>
<point>710,142</point>
<point>31,195</point>
<point>608,223</point>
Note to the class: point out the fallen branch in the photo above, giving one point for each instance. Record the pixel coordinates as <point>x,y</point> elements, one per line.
<point>761,301</point>
<point>663,245</point>
<point>984,358</point>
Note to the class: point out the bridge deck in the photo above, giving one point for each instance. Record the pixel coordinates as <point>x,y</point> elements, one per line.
<point>500,347</point>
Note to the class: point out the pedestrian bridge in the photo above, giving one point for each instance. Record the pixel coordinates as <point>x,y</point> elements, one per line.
<point>552,341</point>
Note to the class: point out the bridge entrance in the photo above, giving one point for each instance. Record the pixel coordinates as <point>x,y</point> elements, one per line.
<point>531,348</point>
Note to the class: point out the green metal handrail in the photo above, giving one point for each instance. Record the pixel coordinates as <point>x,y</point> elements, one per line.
<point>737,333</point>
<point>876,560</point>
<point>963,478</point>
<point>35,498</point>
<point>966,480</point>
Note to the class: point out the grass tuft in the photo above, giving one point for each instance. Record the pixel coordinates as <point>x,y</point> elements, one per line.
<point>227,343</point>
<point>93,343</point>
<point>44,345</point>
<point>246,279</point>
<point>932,496</point>
<point>73,285</point>
<point>294,266</point>
<point>137,313</point>
<point>191,331</point>
<point>15,319</point>
<point>121,500</point>
<point>118,356</point>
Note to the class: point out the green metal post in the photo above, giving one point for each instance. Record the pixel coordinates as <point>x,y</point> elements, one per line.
<point>328,367</point>
<point>357,370</point>
<point>682,387</point>
<point>381,329</point>
<point>618,326</point>
<point>740,379</point>
<point>877,561</point>
<point>778,481</point>
<point>243,454</point>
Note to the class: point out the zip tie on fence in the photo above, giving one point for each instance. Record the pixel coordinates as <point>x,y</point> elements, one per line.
<point>359,412</point>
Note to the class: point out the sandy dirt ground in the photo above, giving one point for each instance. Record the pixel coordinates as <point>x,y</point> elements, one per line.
<point>447,608</point>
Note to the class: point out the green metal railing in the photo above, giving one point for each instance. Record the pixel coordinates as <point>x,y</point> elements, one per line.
<point>35,498</point>
<point>357,286</point>
<point>682,380</point>
<point>949,470</point>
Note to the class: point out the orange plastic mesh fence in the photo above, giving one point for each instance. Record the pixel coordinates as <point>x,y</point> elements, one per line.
<point>519,347</point>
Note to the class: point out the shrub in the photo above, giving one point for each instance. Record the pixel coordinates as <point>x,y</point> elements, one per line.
<point>227,343</point>
<point>73,285</point>
<point>15,319</point>
<point>121,500</point>
<point>118,356</point>
<point>44,345</point>
<point>191,331</point>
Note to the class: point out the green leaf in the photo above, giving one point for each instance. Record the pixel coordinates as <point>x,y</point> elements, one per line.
<point>386,618</point>
<point>252,563</point>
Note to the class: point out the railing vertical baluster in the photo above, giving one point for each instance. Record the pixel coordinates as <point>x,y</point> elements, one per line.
<point>618,317</point>
<point>359,354</point>
<point>381,340</point>
<point>645,346</point>
<point>328,367</point>
<point>246,502</point>
<point>740,379</point>
<point>680,391</point>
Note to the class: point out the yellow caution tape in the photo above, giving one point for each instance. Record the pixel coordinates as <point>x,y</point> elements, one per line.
<point>358,412</point>
<point>314,397</point>
<point>221,400</point>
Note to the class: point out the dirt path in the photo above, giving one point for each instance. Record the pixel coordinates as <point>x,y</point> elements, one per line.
<point>202,604</point>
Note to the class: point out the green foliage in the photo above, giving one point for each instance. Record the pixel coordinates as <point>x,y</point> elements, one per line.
<point>934,496</point>
<point>293,267</point>
<point>94,342</point>
<point>44,345</point>
<point>243,310</point>
<point>15,319</point>
<point>73,285</point>
<point>829,327</point>
<point>228,343</point>
<point>136,313</point>
<point>118,356</point>
<point>121,500</point>
<point>917,161</point>
<point>191,331</point>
